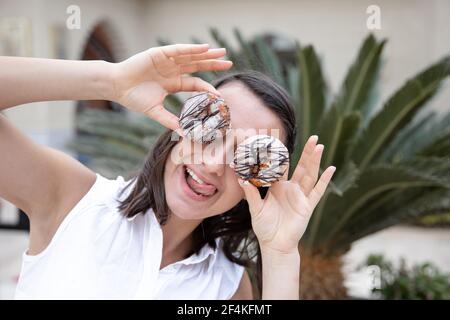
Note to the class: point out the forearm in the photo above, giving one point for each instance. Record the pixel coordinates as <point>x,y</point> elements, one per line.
<point>280,275</point>
<point>25,80</point>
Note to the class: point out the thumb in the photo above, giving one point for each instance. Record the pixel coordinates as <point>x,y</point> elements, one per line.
<point>163,116</point>
<point>190,84</point>
<point>252,196</point>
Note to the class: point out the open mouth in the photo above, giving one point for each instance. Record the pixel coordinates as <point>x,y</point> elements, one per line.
<point>195,187</point>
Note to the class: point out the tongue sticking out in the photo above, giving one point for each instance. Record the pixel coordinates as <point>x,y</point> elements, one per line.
<point>203,189</point>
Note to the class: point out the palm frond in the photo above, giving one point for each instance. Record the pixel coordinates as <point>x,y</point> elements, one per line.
<point>311,92</point>
<point>409,206</point>
<point>106,147</point>
<point>270,62</point>
<point>126,122</point>
<point>293,83</point>
<point>439,147</point>
<point>409,138</point>
<point>247,53</point>
<point>361,76</point>
<point>338,133</point>
<point>399,109</point>
<point>345,180</point>
<point>374,181</point>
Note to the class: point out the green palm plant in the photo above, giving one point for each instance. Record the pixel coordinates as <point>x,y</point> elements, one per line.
<point>393,162</point>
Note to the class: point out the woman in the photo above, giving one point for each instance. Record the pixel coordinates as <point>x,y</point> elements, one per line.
<point>161,235</point>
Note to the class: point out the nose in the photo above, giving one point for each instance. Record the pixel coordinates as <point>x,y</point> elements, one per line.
<point>215,157</point>
<point>217,169</point>
<point>214,163</point>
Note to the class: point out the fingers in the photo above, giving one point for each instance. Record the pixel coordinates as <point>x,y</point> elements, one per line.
<point>285,175</point>
<point>210,54</point>
<point>306,153</point>
<point>311,173</point>
<point>166,118</point>
<point>174,50</point>
<point>196,58</point>
<point>197,84</point>
<point>252,196</point>
<point>206,65</point>
<point>318,191</point>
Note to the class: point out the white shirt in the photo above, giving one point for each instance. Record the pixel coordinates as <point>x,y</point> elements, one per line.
<point>98,253</point>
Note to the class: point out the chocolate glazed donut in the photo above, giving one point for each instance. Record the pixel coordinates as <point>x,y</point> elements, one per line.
<point>261,160</point>
<point>204,115</point>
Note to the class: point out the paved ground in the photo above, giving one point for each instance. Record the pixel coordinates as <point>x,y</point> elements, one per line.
<point>415,244</point>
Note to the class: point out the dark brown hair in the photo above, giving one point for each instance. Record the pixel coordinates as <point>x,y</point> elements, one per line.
<point>234,226</point>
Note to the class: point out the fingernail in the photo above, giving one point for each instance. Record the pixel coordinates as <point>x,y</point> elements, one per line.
<point>333,168</point>
<point>319,147</point>
<point>243,182</point>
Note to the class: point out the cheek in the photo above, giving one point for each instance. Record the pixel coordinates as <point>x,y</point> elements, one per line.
<point>169,173</point>
<point>171,166</point>
<point>232,193</point>
<point>172,161</point>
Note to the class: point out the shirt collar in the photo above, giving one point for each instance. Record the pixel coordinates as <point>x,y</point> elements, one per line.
<point>207,254</point>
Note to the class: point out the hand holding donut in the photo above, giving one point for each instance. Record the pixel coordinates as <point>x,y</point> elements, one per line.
<point>143,81</point>
<point>280,219</point>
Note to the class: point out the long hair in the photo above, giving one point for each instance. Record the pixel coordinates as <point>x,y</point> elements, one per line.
<point>234,226</point>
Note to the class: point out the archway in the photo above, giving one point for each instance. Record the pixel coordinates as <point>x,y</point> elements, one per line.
<point>100,45</point>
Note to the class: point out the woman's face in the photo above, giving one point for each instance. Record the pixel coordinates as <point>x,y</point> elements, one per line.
<point>199,182</point>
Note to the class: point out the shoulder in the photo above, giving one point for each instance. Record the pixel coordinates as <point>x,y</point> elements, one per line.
<point>95,210</point>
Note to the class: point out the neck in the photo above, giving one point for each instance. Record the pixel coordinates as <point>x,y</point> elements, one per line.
<point>177,239</point>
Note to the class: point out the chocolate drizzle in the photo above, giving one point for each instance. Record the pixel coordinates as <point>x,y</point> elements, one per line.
<point>261,159</point>
<point>203,115</point>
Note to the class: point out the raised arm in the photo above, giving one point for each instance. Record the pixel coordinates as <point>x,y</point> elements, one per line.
<point>46,183</point>
<point>43,182</point>
<point>27,80</point>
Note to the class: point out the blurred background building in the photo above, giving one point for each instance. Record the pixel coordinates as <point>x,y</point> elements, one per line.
<point>417,32</point>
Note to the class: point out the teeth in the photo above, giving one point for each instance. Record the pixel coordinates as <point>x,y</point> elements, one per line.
<point>194,176</point>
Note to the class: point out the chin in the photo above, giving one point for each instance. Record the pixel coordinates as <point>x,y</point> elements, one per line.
<point>186,214</point>
<point>187,211</point>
